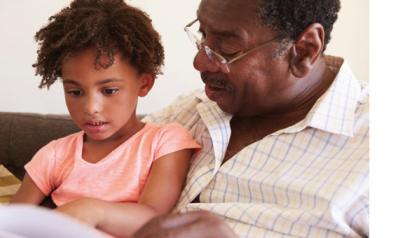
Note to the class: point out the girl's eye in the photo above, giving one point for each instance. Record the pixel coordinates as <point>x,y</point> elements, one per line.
<point>110,91</point>
<point>75,92</point>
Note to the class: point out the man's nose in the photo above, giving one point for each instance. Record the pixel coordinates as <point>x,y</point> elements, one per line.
<point>202,63</point>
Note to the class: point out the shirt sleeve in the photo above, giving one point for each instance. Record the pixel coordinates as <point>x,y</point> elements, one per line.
<point>41,168</point>
<point>173,137</point>
<point>358,215</point>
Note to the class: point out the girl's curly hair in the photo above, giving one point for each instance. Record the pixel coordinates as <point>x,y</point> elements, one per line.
<point>105,25</point>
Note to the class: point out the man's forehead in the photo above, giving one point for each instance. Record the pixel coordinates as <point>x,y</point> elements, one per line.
<point>220,29</point>
<point>227,17</point>
<point>230,8</point>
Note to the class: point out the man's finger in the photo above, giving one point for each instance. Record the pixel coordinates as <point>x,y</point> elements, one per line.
<point>199,225</point>
<point>178,220</point>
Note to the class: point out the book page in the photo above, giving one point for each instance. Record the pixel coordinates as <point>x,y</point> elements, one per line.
<point>27,221</point>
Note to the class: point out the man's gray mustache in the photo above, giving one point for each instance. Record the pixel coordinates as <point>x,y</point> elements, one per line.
<point>215,81</point>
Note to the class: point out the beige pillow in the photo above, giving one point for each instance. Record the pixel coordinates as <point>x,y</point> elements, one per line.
<point>9,185</point>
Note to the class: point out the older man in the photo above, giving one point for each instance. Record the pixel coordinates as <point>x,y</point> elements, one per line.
<point>284,128</point>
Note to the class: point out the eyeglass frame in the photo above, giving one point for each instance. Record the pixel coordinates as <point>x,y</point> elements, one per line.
<point>222,59</point>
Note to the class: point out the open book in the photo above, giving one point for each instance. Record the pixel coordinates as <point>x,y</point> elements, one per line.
<point>26,221</point>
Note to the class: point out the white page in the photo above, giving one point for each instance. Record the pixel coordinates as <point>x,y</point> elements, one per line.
<point>27,221</point>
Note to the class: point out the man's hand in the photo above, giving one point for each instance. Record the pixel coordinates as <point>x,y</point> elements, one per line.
<point>199,224</point>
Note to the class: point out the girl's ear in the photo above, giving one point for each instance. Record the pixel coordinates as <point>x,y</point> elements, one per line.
<point>306,50</point>
<point>147,82</point>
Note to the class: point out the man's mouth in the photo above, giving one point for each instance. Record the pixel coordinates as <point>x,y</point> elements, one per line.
<point>215,86</point>
<point>214,92</point>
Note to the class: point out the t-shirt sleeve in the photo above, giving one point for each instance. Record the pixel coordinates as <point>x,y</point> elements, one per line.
<point>174,137</point>
<point>42,167</point>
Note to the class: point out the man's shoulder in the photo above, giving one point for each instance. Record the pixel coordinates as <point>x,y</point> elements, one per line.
<point>363,98</point>
<point>183,107</point>
<point>196,95</point>
<point>362,108</point>
<point>189,99</point>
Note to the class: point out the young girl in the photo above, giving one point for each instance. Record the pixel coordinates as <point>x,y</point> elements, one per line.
<point>117,172</point>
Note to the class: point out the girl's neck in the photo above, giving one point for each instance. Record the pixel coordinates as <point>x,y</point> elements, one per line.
<point>94,150</point>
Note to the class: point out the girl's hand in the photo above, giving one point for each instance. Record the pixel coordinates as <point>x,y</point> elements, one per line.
<point>85,210</point>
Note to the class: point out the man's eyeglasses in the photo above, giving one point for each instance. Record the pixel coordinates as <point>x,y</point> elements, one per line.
<point>196,37</point>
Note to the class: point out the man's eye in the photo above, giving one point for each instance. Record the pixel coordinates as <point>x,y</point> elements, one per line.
<point>230,55</point>
<point>201,34</point>
<point>230,49</point>
<point>75,92</point>
<point>110,91</point>
<point>230,52</point>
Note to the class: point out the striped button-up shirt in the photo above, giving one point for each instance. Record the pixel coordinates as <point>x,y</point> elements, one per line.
<point>307,180</point>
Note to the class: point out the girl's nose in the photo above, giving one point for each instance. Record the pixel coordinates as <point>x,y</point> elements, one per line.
<point>92,105</point>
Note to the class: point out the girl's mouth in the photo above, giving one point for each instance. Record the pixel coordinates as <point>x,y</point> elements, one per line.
<point>94,127</point>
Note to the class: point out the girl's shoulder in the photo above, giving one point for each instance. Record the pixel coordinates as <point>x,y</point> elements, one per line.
<point>71,138</point>
<point>66,144</point>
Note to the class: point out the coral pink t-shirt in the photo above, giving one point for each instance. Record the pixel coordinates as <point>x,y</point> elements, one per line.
<point>59,169</point>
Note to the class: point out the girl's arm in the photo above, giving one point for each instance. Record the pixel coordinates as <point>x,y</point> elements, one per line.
<point>159,196</point>
<point>28,192</point>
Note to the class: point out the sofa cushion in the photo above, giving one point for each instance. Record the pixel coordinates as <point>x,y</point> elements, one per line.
<point>9,185</point>
<point>23,134</point>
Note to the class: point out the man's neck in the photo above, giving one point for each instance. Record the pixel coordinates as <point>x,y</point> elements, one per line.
<point>248,129</point>
<point>312,87</point>
<point>305,91</point>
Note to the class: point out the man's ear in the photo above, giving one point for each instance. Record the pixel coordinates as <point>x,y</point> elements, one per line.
<point>147,82</point>
<point>306,50</point>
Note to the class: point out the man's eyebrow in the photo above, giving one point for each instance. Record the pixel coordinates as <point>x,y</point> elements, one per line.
<point>222,33</point>
<point>226,34</point>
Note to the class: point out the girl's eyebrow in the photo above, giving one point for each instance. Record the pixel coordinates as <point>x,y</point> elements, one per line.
<point>110,80</point>
<point>104,81</point>
<point>69,81</point>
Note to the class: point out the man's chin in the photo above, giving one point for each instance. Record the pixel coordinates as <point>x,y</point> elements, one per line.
<point>221,97</point>
<point>230,108</point>
<point>225,106</point>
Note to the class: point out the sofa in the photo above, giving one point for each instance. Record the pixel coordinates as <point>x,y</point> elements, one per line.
<point>22,134</point>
